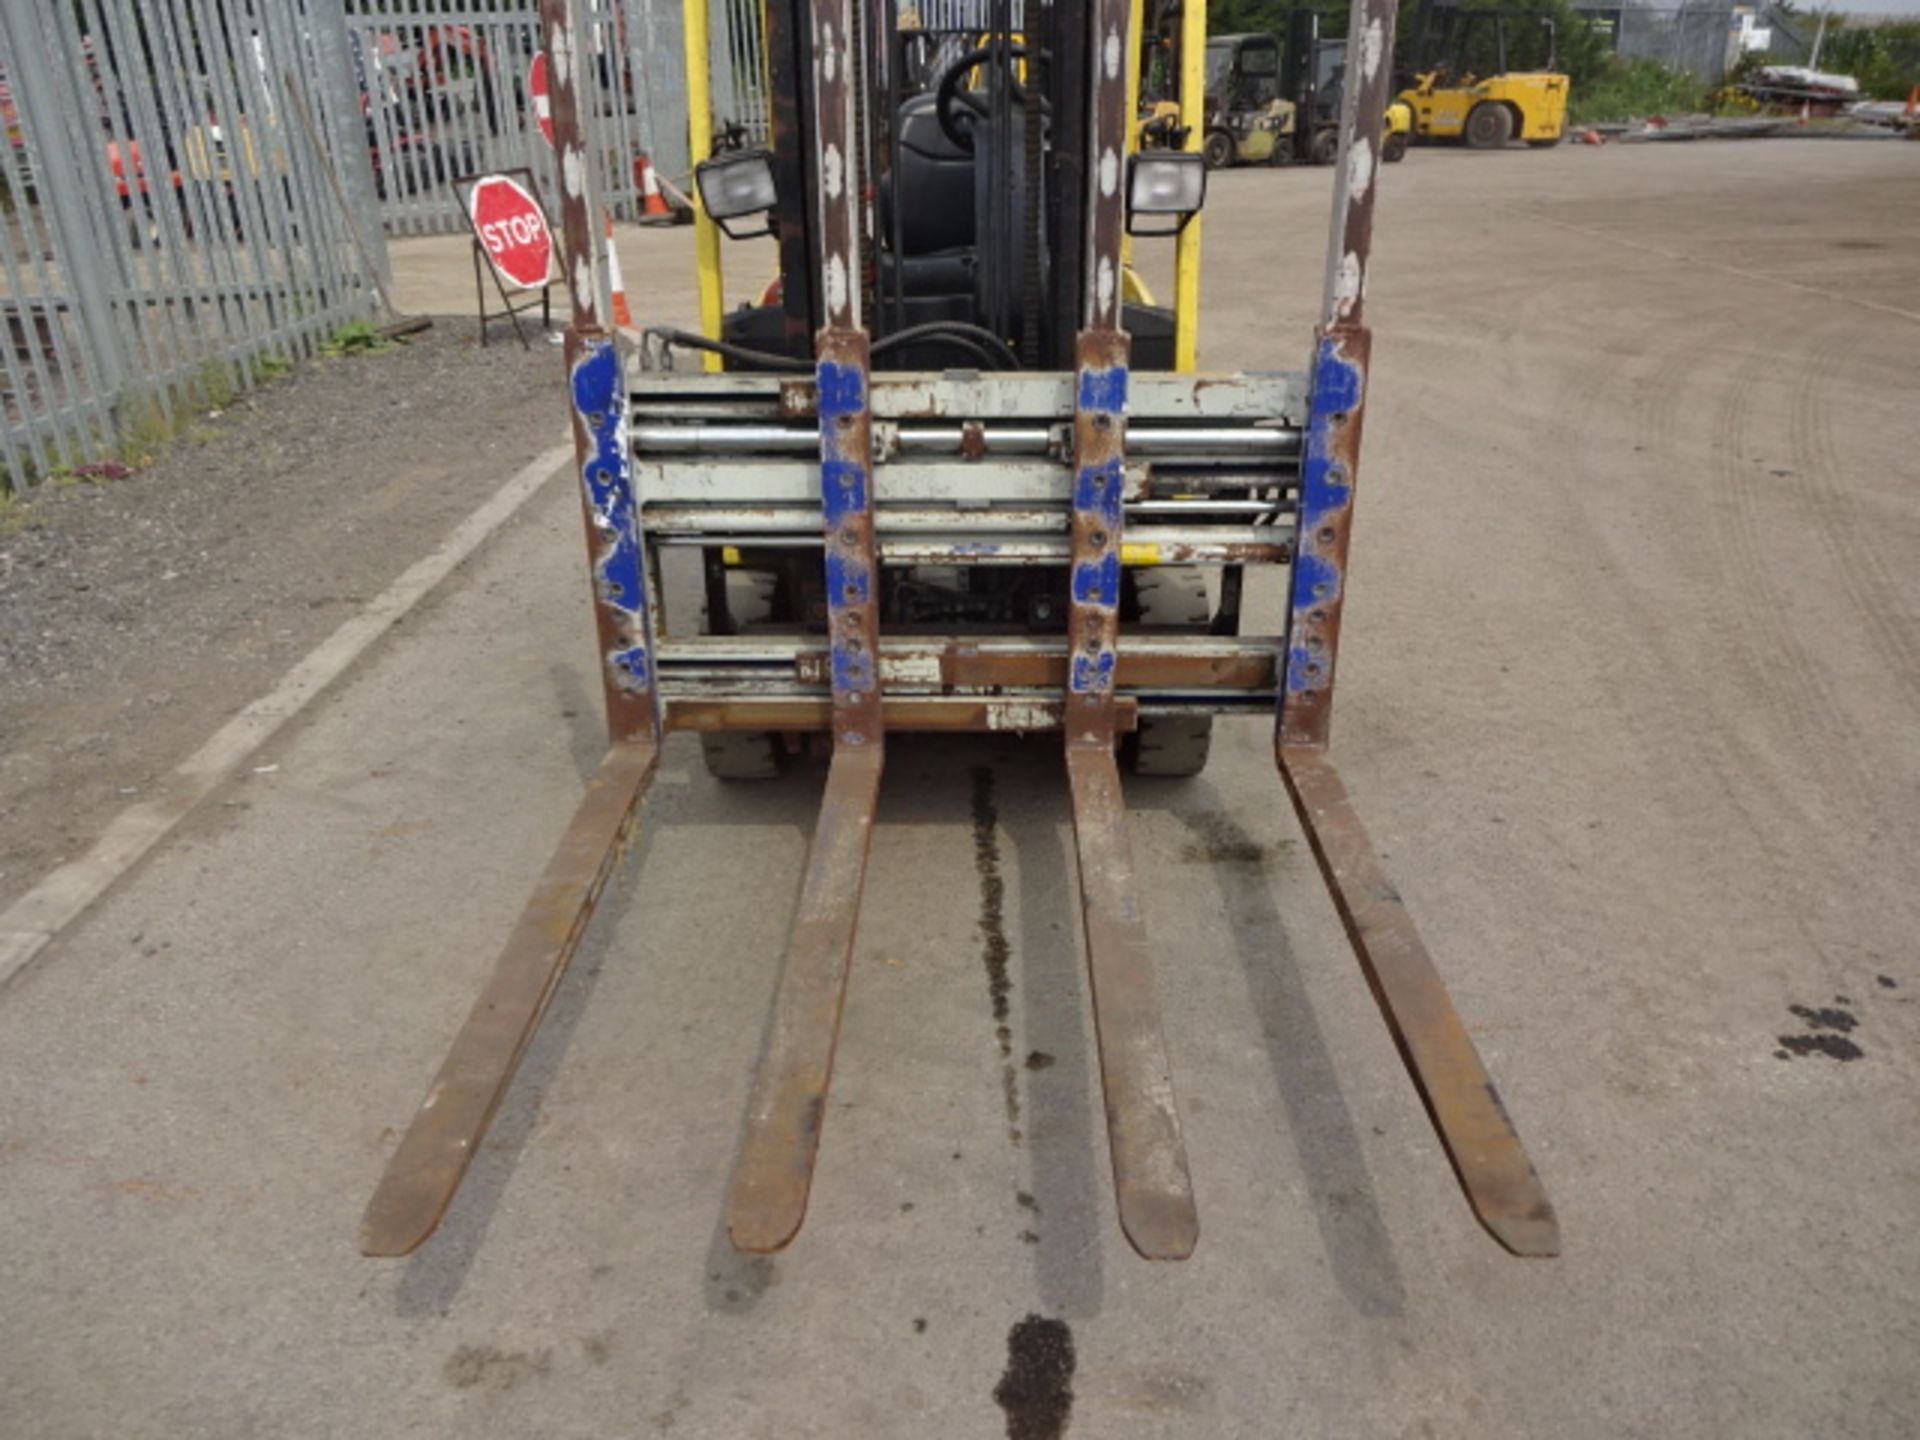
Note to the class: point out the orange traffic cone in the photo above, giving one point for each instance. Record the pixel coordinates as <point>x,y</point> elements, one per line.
<point>655,210</point>
<point>1913,102</point>
<point>622,311</point>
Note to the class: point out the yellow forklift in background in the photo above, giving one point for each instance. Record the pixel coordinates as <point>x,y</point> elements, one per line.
<point>1276,101</point>
<point>1464,83</point>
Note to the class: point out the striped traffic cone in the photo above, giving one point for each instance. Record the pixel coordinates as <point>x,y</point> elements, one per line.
<point>622,311</point>
<point>655,210</point>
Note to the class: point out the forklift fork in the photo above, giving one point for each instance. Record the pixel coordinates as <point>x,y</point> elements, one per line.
<point>1153,1188</point>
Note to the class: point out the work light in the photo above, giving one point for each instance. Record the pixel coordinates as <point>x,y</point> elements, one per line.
<point>734,185</point>
<point>1166,182</point>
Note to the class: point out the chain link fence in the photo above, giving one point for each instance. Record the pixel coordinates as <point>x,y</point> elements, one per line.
<point>1703,40</point>
<point>172,222</point>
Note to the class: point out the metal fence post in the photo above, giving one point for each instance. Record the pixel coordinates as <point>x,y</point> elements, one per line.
<point>337,93</point>
<point>55,170</point>
<point>666,89</point>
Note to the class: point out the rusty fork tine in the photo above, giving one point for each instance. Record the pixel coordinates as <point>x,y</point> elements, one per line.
<point>1152,1188</point>
<point>433,1156</point>
<point>1150,1181</point>
<point>1486,1151</point>
<point>775,1174</point>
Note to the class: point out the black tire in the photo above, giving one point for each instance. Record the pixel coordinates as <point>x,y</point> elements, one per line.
<point>1394,148</point>
<point>1168,597</point>
<point>1489,126</point>
<point>1218,150</point>
<point>1282,153</point>
<point>1324,147</point>
<point>744,754</point>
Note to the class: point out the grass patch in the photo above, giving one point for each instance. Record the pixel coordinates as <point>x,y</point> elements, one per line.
<point>144,431</point>
<point>356,337</point>
<point>216,386</point>
<point>15,515</point>
<point>1630,89</point>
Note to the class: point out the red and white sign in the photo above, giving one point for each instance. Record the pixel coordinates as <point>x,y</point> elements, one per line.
<point>513,230</point>
<point>542,101</point>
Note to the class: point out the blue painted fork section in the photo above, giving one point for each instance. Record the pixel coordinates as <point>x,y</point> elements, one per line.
<point>618,561</point>
<point>1326,494</point>
<point>846,498</point>
<point>1098,482</point>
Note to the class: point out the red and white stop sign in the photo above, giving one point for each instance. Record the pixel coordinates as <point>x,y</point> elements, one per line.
<point>542,101</point>
<point>513,229</point>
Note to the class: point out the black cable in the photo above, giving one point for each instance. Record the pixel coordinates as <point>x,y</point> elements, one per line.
<point>997,352</point>
<point>967,343</point>
<point>980,343</point>
<point>761,359</point>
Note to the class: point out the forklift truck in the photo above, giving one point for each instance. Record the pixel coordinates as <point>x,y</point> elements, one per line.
<point>1279,103</point>
<point>946,447</point>
<point>1464,82</point>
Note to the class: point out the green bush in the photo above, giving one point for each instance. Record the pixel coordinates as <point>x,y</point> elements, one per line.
<point>1885,59</point>
<point>1627,89</point>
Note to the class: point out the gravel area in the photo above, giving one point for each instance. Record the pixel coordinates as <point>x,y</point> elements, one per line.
<point>136,614</point>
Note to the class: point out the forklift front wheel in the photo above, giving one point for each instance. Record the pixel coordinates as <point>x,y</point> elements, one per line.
<point>1218,150</point>
<point>1395,148</point>
<point>1168,597</point>
<point>752,598</point>
<point>1489,127</point>
<point>1324,146</point>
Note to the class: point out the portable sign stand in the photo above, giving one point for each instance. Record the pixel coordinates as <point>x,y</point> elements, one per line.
<point>512,240</point>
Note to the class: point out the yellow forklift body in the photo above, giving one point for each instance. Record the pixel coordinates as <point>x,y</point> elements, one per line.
<point>1538,103</point>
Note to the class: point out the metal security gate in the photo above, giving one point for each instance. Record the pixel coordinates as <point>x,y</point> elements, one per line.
<point>169,221</point>
<point>444,89</point>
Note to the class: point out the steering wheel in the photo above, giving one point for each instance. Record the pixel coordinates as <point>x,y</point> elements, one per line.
<point>950,101</point>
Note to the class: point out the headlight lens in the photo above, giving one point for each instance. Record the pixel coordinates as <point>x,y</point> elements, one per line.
<point>1166,183</point>
<point>737,184</point>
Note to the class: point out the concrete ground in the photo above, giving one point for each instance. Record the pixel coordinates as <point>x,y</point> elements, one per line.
<point>1628,694</point>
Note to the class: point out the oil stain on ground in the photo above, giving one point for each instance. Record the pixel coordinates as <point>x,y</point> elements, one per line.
<point>1037,1389</point>
<point>992,926</point>
<point>1828,1028</point>
<point>485,1367</point>
<point>1217,840</point>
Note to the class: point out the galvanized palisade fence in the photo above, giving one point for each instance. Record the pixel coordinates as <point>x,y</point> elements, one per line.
<point>181,185</point>
<point>446,93</point>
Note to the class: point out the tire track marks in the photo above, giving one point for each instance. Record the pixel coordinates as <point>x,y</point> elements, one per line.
<point>1835,512</point>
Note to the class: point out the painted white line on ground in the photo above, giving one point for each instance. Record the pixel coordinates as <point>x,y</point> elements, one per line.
<point>32,921</point>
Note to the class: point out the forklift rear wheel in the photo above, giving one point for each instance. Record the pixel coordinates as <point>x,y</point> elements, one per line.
<point>1218,150</point>
<point>744,754</point>
<point>1489,127</point>
<point>1324,146</point>
<point>1394,148</point>
<point>1168,597</point>
<point>1282,152</point>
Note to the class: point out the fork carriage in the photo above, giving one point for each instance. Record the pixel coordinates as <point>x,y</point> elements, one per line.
<point>957,550</point>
